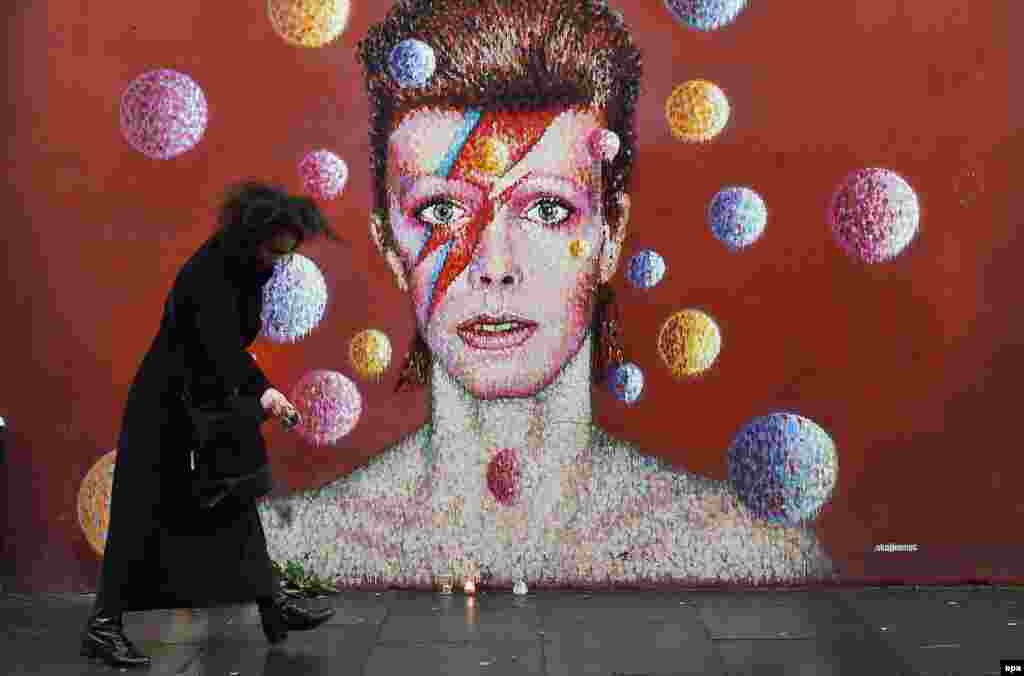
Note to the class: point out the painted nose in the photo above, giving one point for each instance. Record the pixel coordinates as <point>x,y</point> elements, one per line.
<point>494,274</point>
<point>506,280</point>
<point>493,265</point>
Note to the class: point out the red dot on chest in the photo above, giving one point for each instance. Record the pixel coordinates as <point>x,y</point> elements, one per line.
<point>504,476</point>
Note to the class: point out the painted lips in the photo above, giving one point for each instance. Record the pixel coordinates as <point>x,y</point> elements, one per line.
<point>496,333</point>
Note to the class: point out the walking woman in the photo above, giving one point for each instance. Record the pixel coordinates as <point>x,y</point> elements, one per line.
<point>164,548</point>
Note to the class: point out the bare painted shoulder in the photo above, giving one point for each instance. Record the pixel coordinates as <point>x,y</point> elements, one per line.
<point>612,454</point>
<point>708,514</point>
<point>347,527</point>
<point>713,496</point>
<point>391,473</point>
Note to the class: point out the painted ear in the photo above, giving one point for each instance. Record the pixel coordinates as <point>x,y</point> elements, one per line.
<point>612,249</point>
<point>377,233</point>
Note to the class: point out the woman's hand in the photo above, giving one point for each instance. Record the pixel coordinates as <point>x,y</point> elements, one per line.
<point>277,405</point>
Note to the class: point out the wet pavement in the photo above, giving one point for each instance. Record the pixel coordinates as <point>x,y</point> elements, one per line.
<point>964,631</point>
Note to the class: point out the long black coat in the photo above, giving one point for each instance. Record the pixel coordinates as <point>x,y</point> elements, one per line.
<point>161,552</point>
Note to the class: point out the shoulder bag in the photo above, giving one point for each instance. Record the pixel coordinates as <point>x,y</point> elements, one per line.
<point>214,426</point>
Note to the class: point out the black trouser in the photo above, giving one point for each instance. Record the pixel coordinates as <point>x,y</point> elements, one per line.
<point>107,607</point>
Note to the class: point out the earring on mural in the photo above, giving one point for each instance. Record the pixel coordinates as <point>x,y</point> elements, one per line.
<point>416,369</point>
<point>608,350</point>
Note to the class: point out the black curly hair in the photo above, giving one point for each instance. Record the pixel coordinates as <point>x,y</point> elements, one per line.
<point>252,212</point>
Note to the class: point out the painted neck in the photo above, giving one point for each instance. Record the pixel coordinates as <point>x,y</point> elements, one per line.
<point>549,426</point>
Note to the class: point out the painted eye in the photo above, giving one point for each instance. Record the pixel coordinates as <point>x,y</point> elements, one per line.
<point>440,212</point>
<point>550,211</point>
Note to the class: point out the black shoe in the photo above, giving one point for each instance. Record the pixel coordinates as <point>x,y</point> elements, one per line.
<point>282,615</point>
<point>104,638</point>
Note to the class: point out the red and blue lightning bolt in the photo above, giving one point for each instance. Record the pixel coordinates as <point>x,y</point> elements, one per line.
<point>456,245</point>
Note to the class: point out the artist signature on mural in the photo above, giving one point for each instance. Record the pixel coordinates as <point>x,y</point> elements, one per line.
<point>895,548</point>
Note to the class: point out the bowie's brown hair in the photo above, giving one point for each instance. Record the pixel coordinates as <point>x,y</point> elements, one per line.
<point>507,55</point>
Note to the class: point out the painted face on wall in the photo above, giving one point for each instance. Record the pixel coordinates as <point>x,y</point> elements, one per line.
<point>501,237</point>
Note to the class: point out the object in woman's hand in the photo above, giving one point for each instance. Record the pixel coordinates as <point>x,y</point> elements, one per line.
<point>290,418</point>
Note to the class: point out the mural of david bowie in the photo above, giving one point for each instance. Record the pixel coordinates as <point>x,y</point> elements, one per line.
<point>502,205</point>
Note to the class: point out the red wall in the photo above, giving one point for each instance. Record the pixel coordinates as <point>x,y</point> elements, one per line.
<point>917,364</point>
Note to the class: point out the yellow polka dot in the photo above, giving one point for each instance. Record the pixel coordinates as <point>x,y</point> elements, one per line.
<point>492,156</point>
<point>579,248</point>
<point>697,111</point>
<point>309,23</point>
<point>370,353</point>
<point>94,501</point>
<point>689,343</point>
